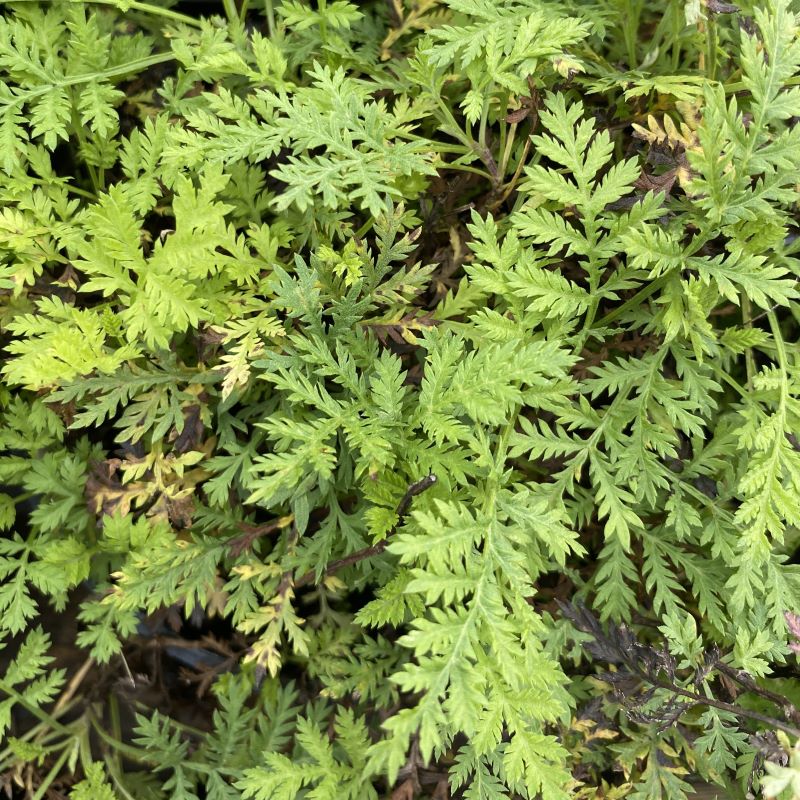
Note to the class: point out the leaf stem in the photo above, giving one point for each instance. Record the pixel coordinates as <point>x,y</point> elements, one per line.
<point>135,5</point>
<point>269,12</point>
<point>231,12</point>
<point>367,552</point>
<point>634,301</point>
<point>52,774</point>
<point>137,65</point>
<point>750,364</point>
<point>723,706</point>
<point>711,47</point>
<point>37,712</point>
<point>485,117</point>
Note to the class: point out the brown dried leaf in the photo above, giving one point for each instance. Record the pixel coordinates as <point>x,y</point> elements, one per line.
<point>405,791</point>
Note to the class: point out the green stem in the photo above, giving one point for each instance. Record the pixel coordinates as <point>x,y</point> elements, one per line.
<point>780,347</point>
<point>138,65</point>
<point>509,144</point>
<point>711,47</point>
<point>750,364</point>
<point>116,727</point>
<point>52,775</point>
<point>484,117</point>
<point>117,778</point>
<point>323,27</point>
<point>231,12</point>
<point>630,30</point>
<point>362,231</point>
<point>82,192</point>
<point>269,12</point>
<point>509,187</point>
<point>135,5</point>
<point>37,712</point>
<point>40,733</point>
<point>147,8</point>
<point>677,24</point>
<point>634,301</point>
<point>589,321</point>
<point>452,127</point>
<point>734,384</point>
<point>134,753</point>
<point>740,86</point>
<point>594,271</point>
<point>77,130</point>
<point>466,168</point>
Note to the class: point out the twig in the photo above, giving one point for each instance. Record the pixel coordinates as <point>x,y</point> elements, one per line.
<point>252,532</point>
<point>373,550</point>
<point>415,489</point>
<point>790,711</point>
<point>735,710</point>
<point>348,561</point>
<point>74,683</point>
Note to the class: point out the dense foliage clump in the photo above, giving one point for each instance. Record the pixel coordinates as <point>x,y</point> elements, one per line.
<point>400,399</point>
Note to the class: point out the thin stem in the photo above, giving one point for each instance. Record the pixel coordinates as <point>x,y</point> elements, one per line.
<point>116,727</point>
<point>41,734</point>
<point>137,65</point>
<point>677,23</point>
<point>323,27</point>
<point>365,228</point>
<point>783,363</point>
<point>630,30</point>
<point>231,12</point>
<point>711,47</point>
<point>135,5</point>
<point>134,753</point>
<point>373,550</point>
<point>158,11</point>
<point>77,130</point>
<point>512,132</point>
<point>740,86</point>
<point>37,712</point>
<point>790,711</point>
<point>441,147</point>
<point>454,129</point>
<point>701,58</point>
<point>484,117</point>
<point>511,185</point>
<point>466,168</point>
<point>70,188</point>
<point>51,776</point>
<point>76,681</point>
<point>121,788</point>
<point>723,376</point>
<point>347,561</point>
<point>735,710</point>
<point>779,343</point>
<point>750,364</point>
<point>642,294</point>
<point>269,12</point>
<point>252,532</point>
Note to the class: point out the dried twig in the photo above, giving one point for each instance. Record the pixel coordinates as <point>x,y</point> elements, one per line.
<point>368,552</point>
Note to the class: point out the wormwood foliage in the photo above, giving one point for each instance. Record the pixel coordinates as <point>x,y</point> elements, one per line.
<point>399,400</point>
